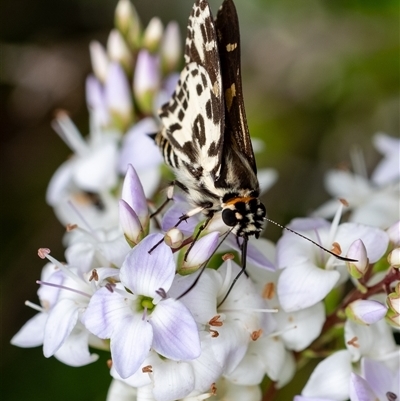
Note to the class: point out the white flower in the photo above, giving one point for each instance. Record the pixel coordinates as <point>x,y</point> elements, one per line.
<point>143,318</point>
<point>309,272</point>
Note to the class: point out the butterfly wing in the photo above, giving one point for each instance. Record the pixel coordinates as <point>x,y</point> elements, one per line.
<point>193,120</point>
<point>236,132</point>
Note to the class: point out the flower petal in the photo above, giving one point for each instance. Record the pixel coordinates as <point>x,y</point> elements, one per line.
<point>130,344</point>
<point>144,273</point>
<point>172,380</point>
<point>330,379</point>
<point>105,310</point>
<point>175,331</point>
<point>31,333</point>
<point>75,351</point>
<point>360,389</point>
<point>62,319</point>
<point>294,286</point>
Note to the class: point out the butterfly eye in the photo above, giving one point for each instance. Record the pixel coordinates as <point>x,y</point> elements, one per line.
<point>229,217</point>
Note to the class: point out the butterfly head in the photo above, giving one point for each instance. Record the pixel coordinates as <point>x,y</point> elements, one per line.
<point>245,214</point>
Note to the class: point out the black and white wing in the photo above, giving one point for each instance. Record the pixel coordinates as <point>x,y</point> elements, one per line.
<point>236,132</point>
<point>193,120</point>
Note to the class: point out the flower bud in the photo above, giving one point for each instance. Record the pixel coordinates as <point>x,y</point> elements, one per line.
<point>118,97</point>
<point>146,80</point>
<point>366,311</point>
<point>128,22</point>
<point>119,51</point>
<point>171,48</point>
<point>130,224</point>
<point>153,34</point>
<point>393,302</point>
<point>199,253</point>
<point>99,59</point>
<point>174,238</point>
<point>358,252</point>
<point>394,258</point>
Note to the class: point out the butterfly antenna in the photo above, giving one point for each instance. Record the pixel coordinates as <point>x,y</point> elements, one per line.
<point>315,243</point>
<point>204,266</point>
<point>244,258</point>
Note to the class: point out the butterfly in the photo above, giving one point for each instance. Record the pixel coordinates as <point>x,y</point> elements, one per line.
<point>204,136</point>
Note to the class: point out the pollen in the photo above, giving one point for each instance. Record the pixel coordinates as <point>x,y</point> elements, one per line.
<point>94,276</point>
<point>268,291</point>
<point>213,389</point>
<point>214,333</point>
<point>215,321</point>
<point>336,249</point>
<point>43,252</point>
<point>255,335</point>
<point>147,369</point>
<point>354,342</point>
<point>109,363</point>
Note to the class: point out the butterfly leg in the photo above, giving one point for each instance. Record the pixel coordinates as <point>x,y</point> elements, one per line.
<point>170,196</point>
<point>201,228</point>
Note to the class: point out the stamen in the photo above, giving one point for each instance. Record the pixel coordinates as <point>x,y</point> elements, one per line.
<point>34,306</point>
<point>125,294</point>
<point>63,287</point>
<point>45,253</point>
<point>147,369</point>
<point>280,332</point>
<point>84,221</point>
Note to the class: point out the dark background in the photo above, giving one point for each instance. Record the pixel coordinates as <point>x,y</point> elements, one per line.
<point>319,77</point>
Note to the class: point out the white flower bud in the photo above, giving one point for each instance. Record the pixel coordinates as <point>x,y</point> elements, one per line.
<point>174,238</point>
<point>358,252</point>
<point>99,59</point>
<point>366,311</point>
<point>394,258</point>
<point>153,34</point>
<point>171,48</point>
<point>118,50</point>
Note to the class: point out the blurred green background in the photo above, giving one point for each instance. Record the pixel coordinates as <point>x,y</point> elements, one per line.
<point>319,77</point>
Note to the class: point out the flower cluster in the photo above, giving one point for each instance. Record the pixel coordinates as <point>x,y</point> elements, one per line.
<point>130,285</point>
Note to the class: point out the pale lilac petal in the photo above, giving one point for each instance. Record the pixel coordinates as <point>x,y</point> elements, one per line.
<point>301,328</point>
<point>330,379</point>
<point>202,250</point>
<point>368,311</point>
<point>172,381</point>
<point>295,282</point>
<point>117,92</point>
<point>272,352</point>
<point>360,390</point>
<point>133,195</point>
<point>254,255</point>
<point>174,213</point>
<point>145,273</point>
<point>75,350</point>
<point>104,311</point>
<point>374,239</point>
<point>138,148</point>
<point>31,333</point>
<point>380,378</point>
<point>129,222</point>
<point>95,100</point>
<point>175,331</point>
<point>130,344</point>
<point>61,321</point>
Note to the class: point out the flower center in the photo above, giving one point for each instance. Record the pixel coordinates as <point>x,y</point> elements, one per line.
<point>146,303</point>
